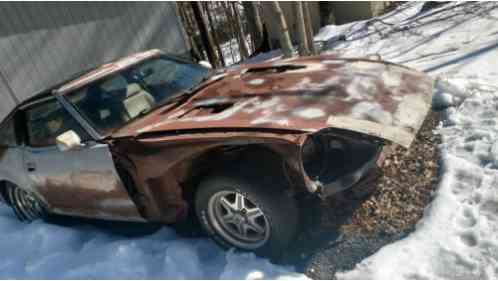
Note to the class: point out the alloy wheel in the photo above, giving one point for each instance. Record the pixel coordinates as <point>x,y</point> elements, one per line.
<point>238,220</point>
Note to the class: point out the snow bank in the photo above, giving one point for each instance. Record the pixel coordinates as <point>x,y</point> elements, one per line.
<point>46,251</point>
<point>458,236</point>
<point>457,44</point>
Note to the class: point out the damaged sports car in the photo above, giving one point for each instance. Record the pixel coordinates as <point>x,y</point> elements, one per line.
<point>152,137</point>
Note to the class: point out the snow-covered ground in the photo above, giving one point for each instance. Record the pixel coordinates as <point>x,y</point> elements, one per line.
<point>458,45</point>
<point>231,51</point>
<point>458,236</point>
<point>47,251</point>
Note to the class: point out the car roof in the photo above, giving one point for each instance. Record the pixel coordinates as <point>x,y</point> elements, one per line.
<point>105,70</point>
<point>85,77</point>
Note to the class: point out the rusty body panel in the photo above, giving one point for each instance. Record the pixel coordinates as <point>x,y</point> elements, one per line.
<point>106,70</point>
<point>306,94</point>
<point>93,195</point>
<point>82,182</point>
<point>253,117</point>
<point>275,105</point>
<point>163,167</point>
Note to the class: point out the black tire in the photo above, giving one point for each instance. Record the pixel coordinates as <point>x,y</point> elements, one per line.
<point>26,205</point>
<point>279,208</point>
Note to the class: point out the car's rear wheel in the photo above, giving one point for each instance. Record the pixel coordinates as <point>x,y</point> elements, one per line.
<point>26,205</point>
<point>247,214</point>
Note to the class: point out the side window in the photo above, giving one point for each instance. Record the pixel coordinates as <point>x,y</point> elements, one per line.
<point>47,121</point>
<point>8,134</point>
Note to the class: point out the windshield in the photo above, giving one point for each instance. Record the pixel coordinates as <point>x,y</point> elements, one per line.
<point>114,101</point>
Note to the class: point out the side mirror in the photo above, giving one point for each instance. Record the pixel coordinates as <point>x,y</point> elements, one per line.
<point>205,64</point>
<point>68,141</point>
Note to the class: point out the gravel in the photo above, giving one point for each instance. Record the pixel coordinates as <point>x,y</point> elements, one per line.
<point>350,226</point>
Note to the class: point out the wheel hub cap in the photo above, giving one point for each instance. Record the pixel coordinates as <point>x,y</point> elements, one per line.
<point>238,220</point>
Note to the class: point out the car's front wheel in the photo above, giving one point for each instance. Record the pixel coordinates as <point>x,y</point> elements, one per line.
<point>247,214</point>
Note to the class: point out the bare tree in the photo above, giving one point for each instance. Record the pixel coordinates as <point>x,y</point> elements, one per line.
<point>301,26</point>
<point>251,10</point>
<point>309,27</point>
<point>244,53</point>
<point>207,40</point>
<point>285,41</point>
<point>190,30</point>
<point>213,32</point>
<point>231,23</point>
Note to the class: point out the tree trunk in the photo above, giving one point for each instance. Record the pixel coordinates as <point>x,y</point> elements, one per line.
<point>285,41</point>
<point>301,26</point>
<point>309,28</point>
<point>251,10</point>
<point>213,32</point>
<point>231,24</point>
<point>196,53</point>
<point>244,52</point>
<point>207,40</point>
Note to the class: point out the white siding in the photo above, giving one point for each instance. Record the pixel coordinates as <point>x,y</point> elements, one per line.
<point>42,44</point>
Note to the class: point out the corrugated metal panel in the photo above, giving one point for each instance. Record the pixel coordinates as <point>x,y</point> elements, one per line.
<point>44,43</point>
<point>7,102</point>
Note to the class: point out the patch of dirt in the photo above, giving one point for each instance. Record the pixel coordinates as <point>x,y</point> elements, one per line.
<point>347,227</point>
<point>405,188</point>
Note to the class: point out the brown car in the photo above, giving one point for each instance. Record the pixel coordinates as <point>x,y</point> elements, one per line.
<point>149,137</point>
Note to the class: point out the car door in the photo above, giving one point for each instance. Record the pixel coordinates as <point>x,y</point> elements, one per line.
<point>80,182</point>
<point>11,155</point>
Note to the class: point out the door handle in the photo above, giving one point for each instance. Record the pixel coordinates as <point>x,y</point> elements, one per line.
<point>31,166</point>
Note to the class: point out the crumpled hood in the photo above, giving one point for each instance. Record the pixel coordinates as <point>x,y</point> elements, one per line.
<point>306,94</point>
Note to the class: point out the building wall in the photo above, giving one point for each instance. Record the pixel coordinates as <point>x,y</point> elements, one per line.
<point>42,44</point>
<point>348,11</point>
<point>322,13</point>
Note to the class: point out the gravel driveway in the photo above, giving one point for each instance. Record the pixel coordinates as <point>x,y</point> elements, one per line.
<point>349,227</point>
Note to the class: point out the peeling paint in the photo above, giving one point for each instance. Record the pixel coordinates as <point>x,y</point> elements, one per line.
<point>371,111</point>
<point>308,113</point>
<point>303,93</point>
<point>256,82</point>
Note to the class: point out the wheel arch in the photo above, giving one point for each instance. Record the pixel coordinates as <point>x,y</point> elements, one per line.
<point>4,184</point>
<point>262,160</point>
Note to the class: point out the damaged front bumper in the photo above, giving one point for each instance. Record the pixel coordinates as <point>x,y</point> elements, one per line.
<point>366,173</point>
<point>333,164</point>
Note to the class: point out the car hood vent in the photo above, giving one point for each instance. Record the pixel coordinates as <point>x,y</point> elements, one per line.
<point>207,109</point>
<point>274,69</point>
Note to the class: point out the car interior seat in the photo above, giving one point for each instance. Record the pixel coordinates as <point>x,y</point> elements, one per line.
<point>137,100</point>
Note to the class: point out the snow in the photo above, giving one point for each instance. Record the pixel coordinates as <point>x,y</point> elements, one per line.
<point>47,251</point>
<point>456,44</point>
<point>231,51</point>
<point>458,235</point>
